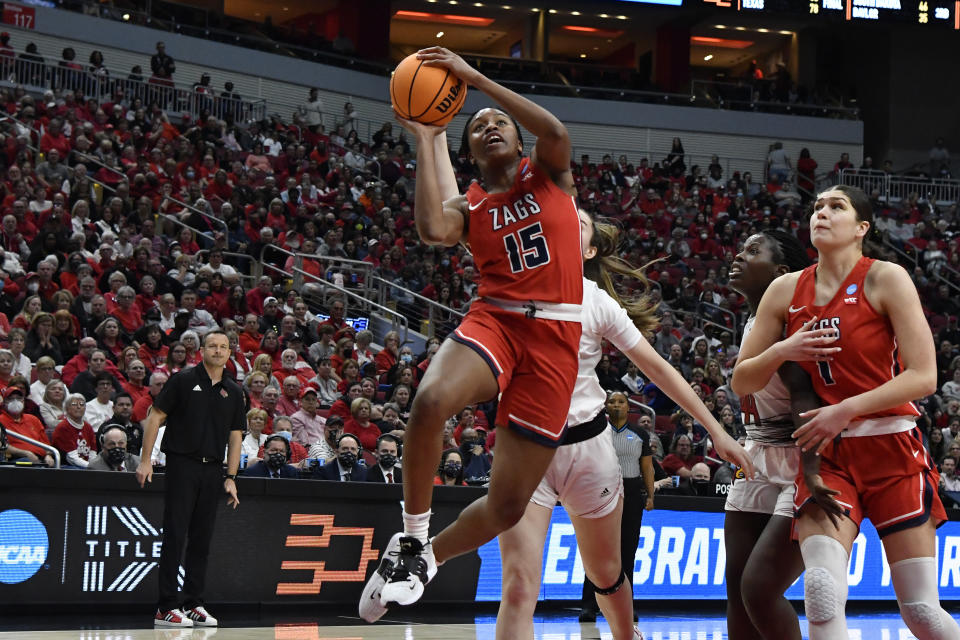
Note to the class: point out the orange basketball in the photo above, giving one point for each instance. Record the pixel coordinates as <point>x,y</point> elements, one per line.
<point>430,95</point>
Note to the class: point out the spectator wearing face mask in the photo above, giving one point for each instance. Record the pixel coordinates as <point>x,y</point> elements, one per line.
<point>114,454</point>
<point>12,418</point>
<point>122,417</point>
<point>450,471</point>
<point>387,469</point>
<point>276,454</point>
<point>346,466</point>
<point>297,453</point>
<point>476,464</point>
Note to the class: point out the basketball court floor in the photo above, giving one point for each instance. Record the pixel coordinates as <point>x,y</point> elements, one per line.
<point>434,625</point>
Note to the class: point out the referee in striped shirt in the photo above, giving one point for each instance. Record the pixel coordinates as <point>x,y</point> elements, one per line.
<point>636,466</point>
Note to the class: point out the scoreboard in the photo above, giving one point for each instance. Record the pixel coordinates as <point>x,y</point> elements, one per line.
<point>942,13</point>
<point>923,12</point>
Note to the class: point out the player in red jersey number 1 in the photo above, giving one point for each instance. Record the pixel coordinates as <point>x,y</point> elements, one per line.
<point>520,337</point>
<point>857,327</point>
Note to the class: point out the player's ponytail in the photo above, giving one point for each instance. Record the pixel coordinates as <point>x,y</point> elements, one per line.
<point>606,263</point>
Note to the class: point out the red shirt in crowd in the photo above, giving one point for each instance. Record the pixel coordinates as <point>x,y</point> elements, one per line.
<point>28,425</point>
<point>68,438</point>
<point>368,435</point>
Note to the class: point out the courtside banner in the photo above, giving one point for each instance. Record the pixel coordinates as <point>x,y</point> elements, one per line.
<point>681,555</point>
<point>89,537</point>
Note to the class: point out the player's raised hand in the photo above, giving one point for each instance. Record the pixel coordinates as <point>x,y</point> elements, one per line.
<point>441,57</point>
<point>809,344</point>
<point>731,451</point>
<point>419,129</point>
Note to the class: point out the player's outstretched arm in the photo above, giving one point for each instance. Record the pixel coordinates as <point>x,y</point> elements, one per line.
<point>672,383</point>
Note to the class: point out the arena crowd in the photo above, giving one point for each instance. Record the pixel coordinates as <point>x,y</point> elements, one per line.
<point>127,235</point>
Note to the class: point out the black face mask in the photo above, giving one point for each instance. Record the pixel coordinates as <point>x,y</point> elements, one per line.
<point>347,459</point>
<point>452,469</point>
<point>276,460</point>
<point>387,460</point>
<point>701,487</point>
<point>117,456</point>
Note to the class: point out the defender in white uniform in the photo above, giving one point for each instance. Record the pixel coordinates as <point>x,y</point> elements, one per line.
<point>776,459</point>
<point>585,474</point>
<point>762,561</point>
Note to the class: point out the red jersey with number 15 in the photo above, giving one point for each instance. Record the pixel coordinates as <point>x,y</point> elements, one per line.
<point>526,241</point>
<point>869,355</point>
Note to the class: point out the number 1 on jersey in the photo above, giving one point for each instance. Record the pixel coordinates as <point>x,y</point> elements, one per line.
<point>526,248</point>
<point>825,372</point>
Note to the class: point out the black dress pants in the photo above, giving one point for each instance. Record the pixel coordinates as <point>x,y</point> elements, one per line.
<point>634,501</point>
<point>193,490</point>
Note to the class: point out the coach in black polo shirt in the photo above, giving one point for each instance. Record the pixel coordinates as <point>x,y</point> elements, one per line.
<point>204,411</point>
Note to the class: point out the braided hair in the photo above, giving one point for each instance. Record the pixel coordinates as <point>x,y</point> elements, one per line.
<point>787,249</point>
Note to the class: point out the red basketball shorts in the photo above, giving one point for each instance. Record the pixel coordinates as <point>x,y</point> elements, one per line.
<point>535,362</point>
<point>890,479</point>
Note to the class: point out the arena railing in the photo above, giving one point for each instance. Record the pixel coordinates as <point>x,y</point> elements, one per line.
<point>94,161</point>
<point>436,320</point>
<point>248,275</point>
<point>308,283</point>
<point>893,188</point>
<point>943,273</point>
<point>511,66</point>
<point>712,309</point>
<point>643,408</point>
<point>646,151</point>
<point>8,118</point>
<point>43,445</point>
<point>171,24</point>
<point>398,321</point>
<point>719,91</point>
<point>175,98</point>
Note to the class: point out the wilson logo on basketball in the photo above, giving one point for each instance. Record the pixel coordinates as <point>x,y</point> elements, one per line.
<point>451,97</point>
<point>319,567</point>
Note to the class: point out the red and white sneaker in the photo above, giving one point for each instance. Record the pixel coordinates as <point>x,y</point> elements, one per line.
<point>171,618</point>
<point>200,617</point>
<point>636,634</point>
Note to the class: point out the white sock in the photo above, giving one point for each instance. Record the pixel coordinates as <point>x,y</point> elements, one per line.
<point>417,525</point>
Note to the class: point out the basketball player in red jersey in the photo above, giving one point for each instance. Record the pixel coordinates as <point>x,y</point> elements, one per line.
<point>520,338</point>
<point>856,326</point>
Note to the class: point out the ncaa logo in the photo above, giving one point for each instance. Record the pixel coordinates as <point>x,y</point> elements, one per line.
<point>23,546</point>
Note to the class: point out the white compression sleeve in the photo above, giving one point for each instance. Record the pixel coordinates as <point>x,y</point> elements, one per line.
<point>825,587</point>
<point>915,582</point>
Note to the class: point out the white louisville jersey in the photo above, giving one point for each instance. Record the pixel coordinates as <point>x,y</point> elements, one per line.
<point>603,319</point>
<point>766,413</point>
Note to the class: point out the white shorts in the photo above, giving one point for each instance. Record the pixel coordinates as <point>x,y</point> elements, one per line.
<point>772,489</point>
<point>584,477</point>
